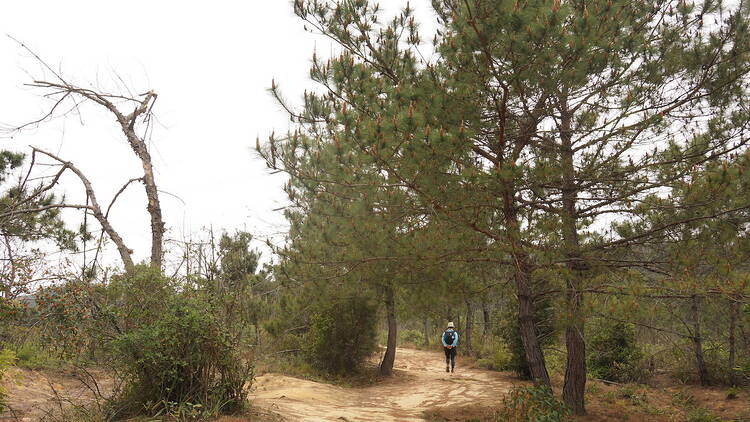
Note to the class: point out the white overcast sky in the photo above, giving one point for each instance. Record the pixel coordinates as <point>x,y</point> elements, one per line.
<point>211,64</point>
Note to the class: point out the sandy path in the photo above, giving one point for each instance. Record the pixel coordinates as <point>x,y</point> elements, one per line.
<point>421,383</point>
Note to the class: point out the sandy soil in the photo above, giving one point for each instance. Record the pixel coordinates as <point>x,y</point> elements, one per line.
<point>422,383</point>
<point>33,394</point>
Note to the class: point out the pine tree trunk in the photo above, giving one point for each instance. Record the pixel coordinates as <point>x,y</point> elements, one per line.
<point>700,362</point>
<point>486,319</point>
<point>522,268</point>
<point>426,332</point>
<point>734,308</point>
<point>386,366</point>
<point>574,385</point>
<point>743,335</point>
<point>522,279</point>
<point>527,330</point>
<point>468,350</point>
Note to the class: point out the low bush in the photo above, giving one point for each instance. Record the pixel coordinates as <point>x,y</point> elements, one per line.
<point>681,364</point>
<point>533,404</point>
<point>733,393</point>
<point>171,350</point>
<point>181,364</point>
<point>495,356</point>
<point>342,335</point>
<point>742,371</point>
<point>412,337</point>
<point>34,356</point>
<point>613,353</point>
<point>683,399</point>
<point>700,414</point>
<point>636,395</point>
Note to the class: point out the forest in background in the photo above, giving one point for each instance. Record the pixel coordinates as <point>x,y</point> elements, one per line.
<point>567,181</point>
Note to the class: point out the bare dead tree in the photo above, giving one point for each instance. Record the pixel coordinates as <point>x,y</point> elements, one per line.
<point>92,205</point>
<point>133,114</point>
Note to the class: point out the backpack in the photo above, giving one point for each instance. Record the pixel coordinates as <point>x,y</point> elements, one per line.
<point>449,337</point>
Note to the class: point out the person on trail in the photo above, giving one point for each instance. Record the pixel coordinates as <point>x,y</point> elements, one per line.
<point>450,342</point>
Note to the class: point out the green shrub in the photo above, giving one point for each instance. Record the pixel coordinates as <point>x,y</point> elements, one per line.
<point>613,353</point>
<point>181,361</point>
<point>32,355</point>
<point>174,351</point>
<point>409,336</point>
<point>701,415</point>
<point>637,396</point>
<point>168,345</point>
<point>342,335</point>
<point>533,404</point>
<point>683,399</point>
<point>7,359</point>
<point>742,371</point>
<point>681,364</point>
<point>495,357</point>
<point>556,358</point>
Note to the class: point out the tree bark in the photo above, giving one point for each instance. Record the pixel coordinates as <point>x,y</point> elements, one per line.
<point>527,330</point>
<point>574,386</point>
<point>743,335</point>
<point>733,311</point>
<point>486,319</point>
<point>468,334</point>
<point>522,279</point>
<point>386,366</point>
<point>426,331</point>
<point>127,123</point>
<point>700,362</point>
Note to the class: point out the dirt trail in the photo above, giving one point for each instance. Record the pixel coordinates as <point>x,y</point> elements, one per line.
<point>421,383</point>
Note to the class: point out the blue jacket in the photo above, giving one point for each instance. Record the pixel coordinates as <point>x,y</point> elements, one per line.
<point>455,338</point>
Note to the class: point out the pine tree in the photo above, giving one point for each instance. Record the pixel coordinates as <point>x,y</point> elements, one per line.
<point>536,121</point>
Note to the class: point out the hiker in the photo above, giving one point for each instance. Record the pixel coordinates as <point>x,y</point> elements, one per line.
<point>450,342</point>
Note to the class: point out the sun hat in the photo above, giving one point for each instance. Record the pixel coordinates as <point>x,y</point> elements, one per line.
<point>450,325</point>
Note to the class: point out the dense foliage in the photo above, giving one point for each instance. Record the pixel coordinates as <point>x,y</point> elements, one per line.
<point>183,356</point>
<point>342,335</point>
<point>564,146</point>
<point>613,352</point>
<point>169,343</point>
